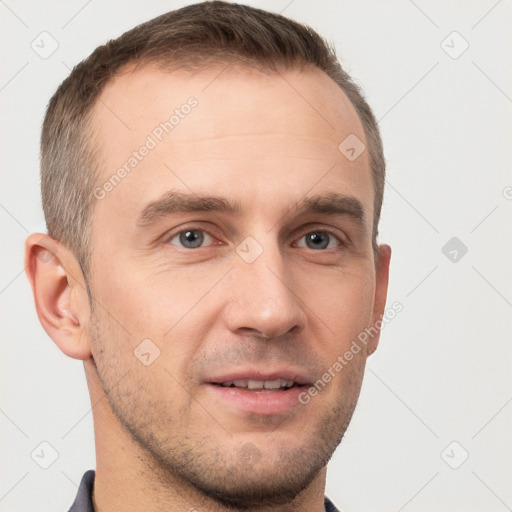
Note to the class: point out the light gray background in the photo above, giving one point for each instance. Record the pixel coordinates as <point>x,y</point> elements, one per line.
<point>443,369</point>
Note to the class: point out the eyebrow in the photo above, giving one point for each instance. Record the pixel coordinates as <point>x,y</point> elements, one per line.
<point>178,202</point>
<point>333,204</point>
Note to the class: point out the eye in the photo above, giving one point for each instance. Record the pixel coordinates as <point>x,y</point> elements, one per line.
<point>319,240</point>
<point>192,238</point>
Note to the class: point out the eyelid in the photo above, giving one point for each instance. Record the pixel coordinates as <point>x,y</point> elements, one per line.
<point>172,233</point>
<point>339,243</point>
<point>341,236</point>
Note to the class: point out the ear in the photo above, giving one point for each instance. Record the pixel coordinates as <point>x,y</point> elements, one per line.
<point>383,257</point>
<point>60,294</point>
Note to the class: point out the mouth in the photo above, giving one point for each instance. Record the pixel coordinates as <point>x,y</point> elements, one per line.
<point>271,386</point>
<point>258,393</point>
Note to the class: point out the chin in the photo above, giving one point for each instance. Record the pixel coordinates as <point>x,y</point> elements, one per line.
<point>265,482</point>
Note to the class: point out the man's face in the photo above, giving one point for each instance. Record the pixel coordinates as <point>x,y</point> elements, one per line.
<point>240,247</point>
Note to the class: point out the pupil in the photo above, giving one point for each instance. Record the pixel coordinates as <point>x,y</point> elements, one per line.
<point>317,240</point>
<point>191,239</point>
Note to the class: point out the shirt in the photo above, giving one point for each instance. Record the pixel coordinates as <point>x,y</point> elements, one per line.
<point>83,500</point>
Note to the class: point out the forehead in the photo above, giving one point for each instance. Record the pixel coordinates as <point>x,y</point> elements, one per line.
<point>232,130</point>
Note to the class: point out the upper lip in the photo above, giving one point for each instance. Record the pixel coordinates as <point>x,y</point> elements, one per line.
<point>298,377</point>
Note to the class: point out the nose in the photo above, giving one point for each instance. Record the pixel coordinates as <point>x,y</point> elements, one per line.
<point>263,301</point>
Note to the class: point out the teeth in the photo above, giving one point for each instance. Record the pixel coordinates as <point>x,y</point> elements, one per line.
<point>259,384</point>
<point>255,384</point>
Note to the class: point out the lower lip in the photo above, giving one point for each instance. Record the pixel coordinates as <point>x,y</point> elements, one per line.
<point>261,401</point>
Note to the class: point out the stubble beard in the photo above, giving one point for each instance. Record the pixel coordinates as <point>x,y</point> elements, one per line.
<point>196,461</point>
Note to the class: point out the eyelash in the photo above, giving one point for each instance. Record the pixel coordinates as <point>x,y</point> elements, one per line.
<point>341,243</point>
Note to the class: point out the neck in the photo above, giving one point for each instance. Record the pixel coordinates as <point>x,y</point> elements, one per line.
<point>127,479</point>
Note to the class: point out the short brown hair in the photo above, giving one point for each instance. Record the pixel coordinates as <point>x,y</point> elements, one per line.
<point>194,36</point>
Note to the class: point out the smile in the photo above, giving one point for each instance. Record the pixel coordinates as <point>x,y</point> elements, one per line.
<point>257,392</point>
<point>259,385</point>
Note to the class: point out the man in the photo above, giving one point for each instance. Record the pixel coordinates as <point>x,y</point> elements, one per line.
<point>212,183</point>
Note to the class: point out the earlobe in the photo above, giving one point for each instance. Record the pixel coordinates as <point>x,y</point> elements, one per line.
<point>60,295</point>
<point>381,290</point>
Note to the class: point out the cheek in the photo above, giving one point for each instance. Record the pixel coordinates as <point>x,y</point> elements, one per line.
<point>145,301</point>
<point>343,302</point>
<point>174,310</point>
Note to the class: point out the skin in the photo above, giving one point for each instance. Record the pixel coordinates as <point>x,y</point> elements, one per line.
<point>164,438</point>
